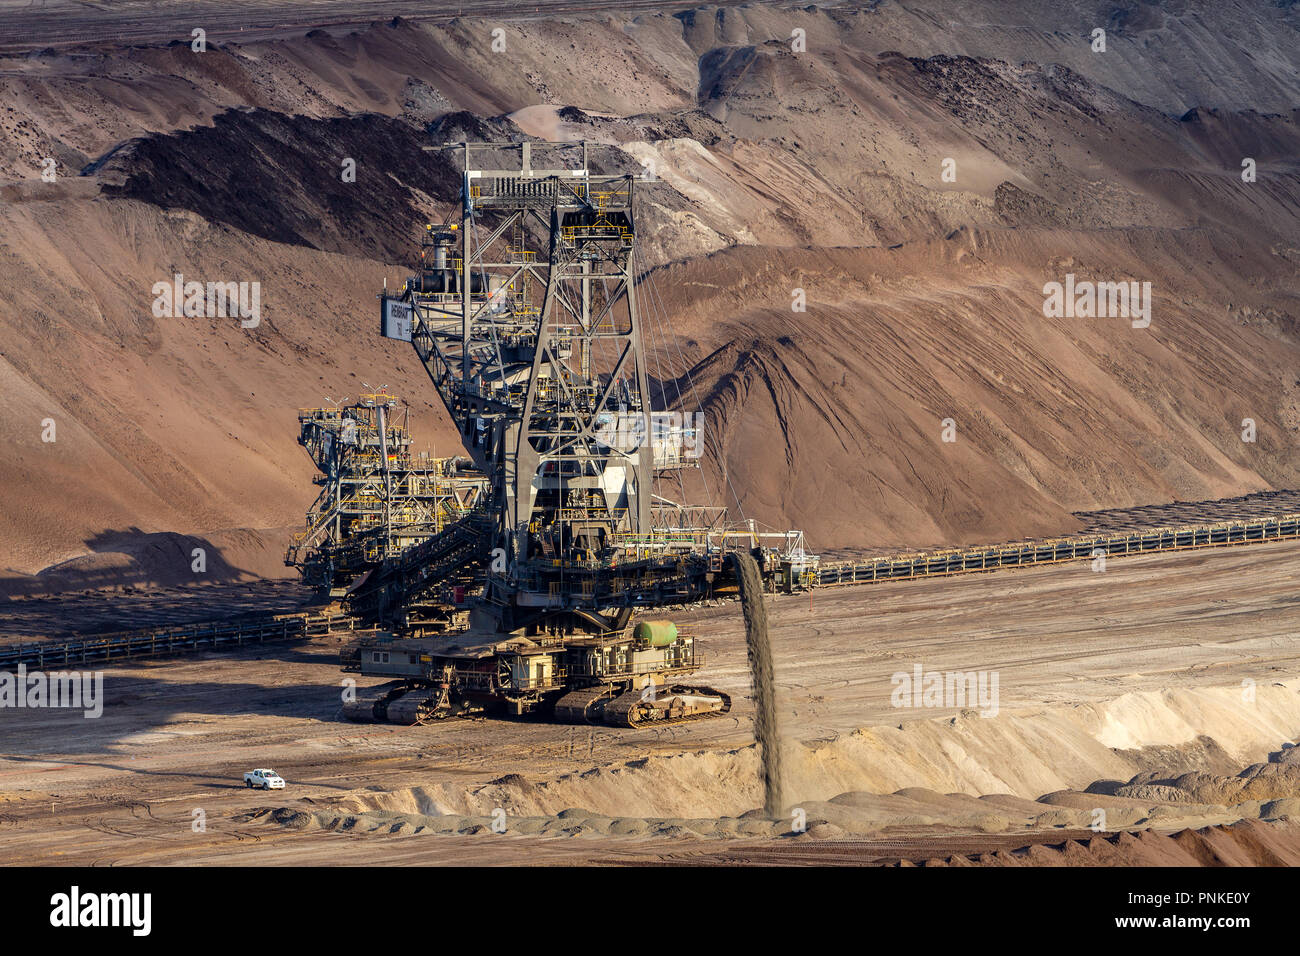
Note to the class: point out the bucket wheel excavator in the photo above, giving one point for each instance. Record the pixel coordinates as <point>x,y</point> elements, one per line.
<point>543,598</point>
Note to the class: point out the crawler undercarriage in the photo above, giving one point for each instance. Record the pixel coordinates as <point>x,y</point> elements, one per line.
<point>626,678</point>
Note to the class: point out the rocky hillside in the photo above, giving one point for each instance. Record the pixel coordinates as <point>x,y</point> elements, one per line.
<point>920,173</point>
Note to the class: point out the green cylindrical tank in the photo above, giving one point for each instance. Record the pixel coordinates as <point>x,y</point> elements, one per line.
<point>656,633</point>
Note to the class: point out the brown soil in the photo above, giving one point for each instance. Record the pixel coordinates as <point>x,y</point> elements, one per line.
<point>775,171</point>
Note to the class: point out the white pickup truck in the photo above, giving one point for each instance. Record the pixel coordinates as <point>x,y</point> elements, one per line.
<point>266,779</point>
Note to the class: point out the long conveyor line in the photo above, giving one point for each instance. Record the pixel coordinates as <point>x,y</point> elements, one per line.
<point>215,635</point>
<point>1053,550</point>
<point>169,641</point>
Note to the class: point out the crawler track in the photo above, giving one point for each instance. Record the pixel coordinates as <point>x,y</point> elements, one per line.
<point>627,710</point>
<point>597,705</point>
<point>371,705</point>
<point>580,706</point>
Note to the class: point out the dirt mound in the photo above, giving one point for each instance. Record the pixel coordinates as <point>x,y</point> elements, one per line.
<point>848,402</point>
<point>767,171</point>
<point>1012,773</point>
<point>236,171</point>
<point>1248,843</point>
<point>628,796</point>
<point>1279,778</point>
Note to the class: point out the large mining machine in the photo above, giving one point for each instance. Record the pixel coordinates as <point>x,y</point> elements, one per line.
<point>547,589</point>
<point>378,498</point>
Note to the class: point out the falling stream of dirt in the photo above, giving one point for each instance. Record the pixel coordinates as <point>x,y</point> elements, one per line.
<point>760,674</point>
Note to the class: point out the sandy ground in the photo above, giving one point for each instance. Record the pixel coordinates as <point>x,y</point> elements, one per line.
<point>1122,672</point>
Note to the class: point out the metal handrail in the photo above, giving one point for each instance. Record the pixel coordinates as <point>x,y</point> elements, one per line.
<point>990,557</point>
<point>163,642</point>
